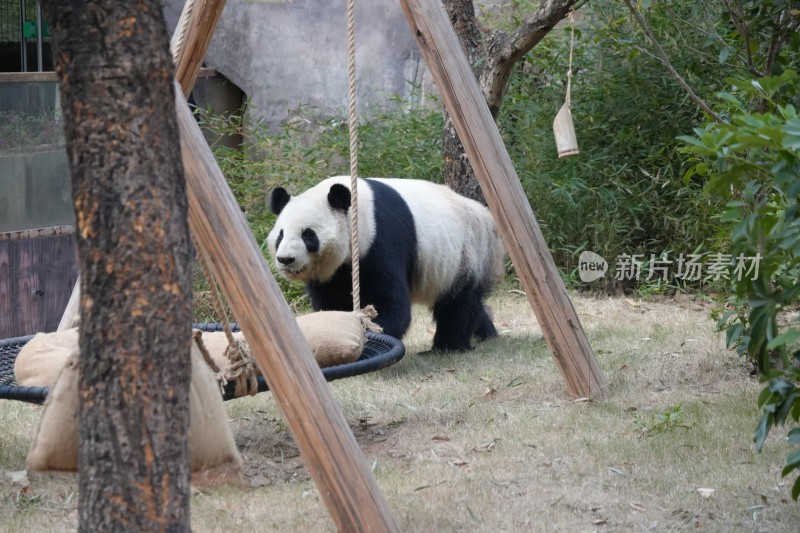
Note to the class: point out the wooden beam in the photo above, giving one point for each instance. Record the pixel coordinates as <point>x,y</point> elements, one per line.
<point>205,15</point>
<point>27,77</point>
<point>327,445</point>
<point>31,77</point>
<point>507,201</point>
<point>52,231</point>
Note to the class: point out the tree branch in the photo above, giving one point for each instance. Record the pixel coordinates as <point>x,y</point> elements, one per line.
<point>737,18</point>
<point>505,49</point>
<point>668,64</point>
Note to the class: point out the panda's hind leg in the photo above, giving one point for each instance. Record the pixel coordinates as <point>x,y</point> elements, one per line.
<point>458,316</point>
<point>484,327</point>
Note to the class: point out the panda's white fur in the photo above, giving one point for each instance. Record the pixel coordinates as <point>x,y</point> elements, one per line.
<point>456,239</point>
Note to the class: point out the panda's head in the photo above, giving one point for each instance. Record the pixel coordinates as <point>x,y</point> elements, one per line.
<point>310,239</point>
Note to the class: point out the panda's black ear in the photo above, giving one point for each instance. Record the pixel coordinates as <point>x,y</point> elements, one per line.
<point>339,197</point>
<point>278,200</point>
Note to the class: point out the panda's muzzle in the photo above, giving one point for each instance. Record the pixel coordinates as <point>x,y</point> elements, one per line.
<point>285,260</point>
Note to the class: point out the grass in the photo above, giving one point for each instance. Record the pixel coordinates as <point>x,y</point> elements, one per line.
<point>488,440</point>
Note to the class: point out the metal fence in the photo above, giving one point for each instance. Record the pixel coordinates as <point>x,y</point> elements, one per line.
<point>24,38</point>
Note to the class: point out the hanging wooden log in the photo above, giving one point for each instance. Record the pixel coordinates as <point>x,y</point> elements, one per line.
<point>507,201</point>
<point>564,131</point>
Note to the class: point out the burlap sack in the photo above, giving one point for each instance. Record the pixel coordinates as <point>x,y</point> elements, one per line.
<point>216,342</point>
<point>42,358</point>
<point>335,337</point>
<point>211,444</point>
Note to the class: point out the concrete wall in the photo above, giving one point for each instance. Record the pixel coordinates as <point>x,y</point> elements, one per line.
<point>289,53</point>
<point>36,190</point>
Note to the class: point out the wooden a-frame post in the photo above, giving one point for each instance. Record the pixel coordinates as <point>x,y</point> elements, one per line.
<point>507,201</point>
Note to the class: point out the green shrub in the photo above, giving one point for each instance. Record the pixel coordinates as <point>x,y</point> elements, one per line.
<point>753,162</point>
<point>624,193</point>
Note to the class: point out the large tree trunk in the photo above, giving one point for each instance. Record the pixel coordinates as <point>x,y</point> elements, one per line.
<point>492,56</point>
<point>458,173</point>
<point>130,204</point>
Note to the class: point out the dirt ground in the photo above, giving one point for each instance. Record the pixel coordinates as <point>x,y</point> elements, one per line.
<point>489,440</point>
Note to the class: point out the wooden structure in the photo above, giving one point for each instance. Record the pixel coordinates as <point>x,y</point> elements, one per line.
<point>326,443</point>
<point>37,270</point>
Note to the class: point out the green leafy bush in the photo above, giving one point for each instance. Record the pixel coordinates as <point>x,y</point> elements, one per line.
<point>753,162</point>
<point>624,193</point>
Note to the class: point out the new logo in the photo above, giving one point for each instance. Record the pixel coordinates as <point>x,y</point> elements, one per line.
<point>591,266</point>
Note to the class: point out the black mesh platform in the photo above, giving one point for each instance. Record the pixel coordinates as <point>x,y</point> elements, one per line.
<point>379,352</point>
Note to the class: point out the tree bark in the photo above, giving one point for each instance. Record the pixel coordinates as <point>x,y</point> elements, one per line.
<point>492,56</point>
<point>115,76</point>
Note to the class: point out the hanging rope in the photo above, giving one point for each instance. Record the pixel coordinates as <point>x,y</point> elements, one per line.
<point>240,368</point>
<point>569,69</point>
<point>352,125</point>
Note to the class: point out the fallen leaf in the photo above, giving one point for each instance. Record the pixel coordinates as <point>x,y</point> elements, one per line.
<point>516,382</point>
<point>704,492</point>
<point>485,446</point>
<point>617,472</point>
<point>600,522</point>
<point>18,477</point>
<point>440,437</point>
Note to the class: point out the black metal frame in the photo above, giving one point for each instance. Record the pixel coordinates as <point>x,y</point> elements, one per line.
<point>380,351</point>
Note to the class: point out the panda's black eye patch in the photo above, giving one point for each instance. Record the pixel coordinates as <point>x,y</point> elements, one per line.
<point>310,239</point>
<point>279,239</point>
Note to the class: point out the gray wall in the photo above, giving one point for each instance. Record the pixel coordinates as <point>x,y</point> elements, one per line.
<point>36,190</point>
<point>287,54</point>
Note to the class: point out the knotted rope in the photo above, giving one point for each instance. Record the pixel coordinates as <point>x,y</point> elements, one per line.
<point>240,367</point>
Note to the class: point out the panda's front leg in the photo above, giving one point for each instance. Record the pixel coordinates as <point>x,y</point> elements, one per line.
<point>392,301</point>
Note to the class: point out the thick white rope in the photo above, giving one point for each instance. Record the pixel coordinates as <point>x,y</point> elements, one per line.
<point>178,42</point>
<point>569,70</point>
<point>352,125</point>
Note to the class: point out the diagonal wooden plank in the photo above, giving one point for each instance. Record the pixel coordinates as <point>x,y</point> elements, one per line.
<point>326,443</point>
<point>507,201</point>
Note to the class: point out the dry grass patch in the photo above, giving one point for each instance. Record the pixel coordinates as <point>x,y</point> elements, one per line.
<point>488,440</point>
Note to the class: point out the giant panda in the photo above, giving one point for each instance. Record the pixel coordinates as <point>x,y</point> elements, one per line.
<point>419,242</point>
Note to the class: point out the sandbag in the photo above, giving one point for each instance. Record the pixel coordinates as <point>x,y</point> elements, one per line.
<point>211,443</point>
<point>41,359</point>
<point>335,337</point>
